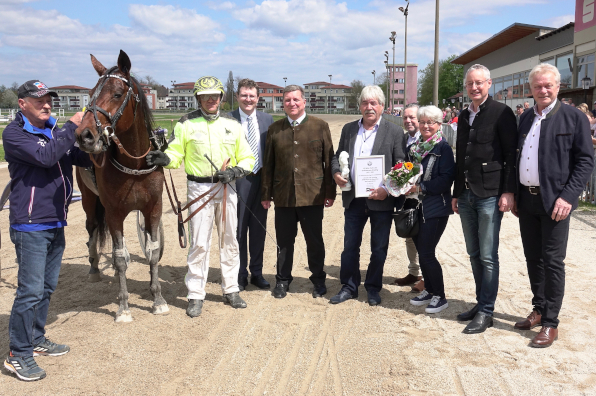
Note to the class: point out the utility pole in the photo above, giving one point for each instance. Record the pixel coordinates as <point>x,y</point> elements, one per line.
<point>405,11</point>
<point>328,97</point>
<point>387,81</point>
<point>392,39</point>
<point>374,77</point>
<point>436,80</point>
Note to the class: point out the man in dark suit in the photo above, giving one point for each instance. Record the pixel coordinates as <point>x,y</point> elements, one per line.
<point>410,119</point>
<point>555,159</point>
<point>254,124</point>
<point>297,178</point>
<point>484,188</point>
<point>371,135</point>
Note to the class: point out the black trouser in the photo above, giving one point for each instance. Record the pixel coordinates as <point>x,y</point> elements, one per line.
<point>249,189</point>
<point>426,243</point>
<point>286,229</point>
<point>545,246</point>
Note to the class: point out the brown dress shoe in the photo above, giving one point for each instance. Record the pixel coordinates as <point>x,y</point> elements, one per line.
<point>418,287</point>
<point>545,338</point>
<point>406,280</point>
<point>530,322</point>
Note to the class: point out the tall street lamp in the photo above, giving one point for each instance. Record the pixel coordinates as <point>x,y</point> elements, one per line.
<point>405,12</point>
<point>392,39</point>
<point>328,97</point>
<point>586,82</point>
<point>285,81</point>
<point>436,80</point>
<point>505,93</point>
<point>387,71</point>
<point>374,77</point>
<point>173,86</point>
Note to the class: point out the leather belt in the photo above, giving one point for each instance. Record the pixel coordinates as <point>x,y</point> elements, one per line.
<point>534,190</point>
<point>199,179</point>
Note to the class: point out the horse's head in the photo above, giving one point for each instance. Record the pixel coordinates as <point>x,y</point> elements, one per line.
<point>112,105</point>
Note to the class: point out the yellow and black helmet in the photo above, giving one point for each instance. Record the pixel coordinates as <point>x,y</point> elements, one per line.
<point>208,85</point>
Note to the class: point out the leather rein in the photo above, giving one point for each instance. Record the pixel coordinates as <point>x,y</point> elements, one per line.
<point>108,132</point>
<point>215,189</point>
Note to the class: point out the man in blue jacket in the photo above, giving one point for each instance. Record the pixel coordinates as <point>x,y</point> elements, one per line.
<point>40,158</point>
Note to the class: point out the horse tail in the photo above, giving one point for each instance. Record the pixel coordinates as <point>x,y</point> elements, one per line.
<point>102,226</point>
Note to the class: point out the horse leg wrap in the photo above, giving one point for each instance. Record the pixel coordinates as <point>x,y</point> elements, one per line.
<point>150,246</point>
<point>122,253</point>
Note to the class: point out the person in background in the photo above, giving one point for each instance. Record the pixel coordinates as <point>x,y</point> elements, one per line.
<point>40,158</point>
<point>519,110</point>
<point>526,105</point>
<point>434,193</point>
<point>411,136</point>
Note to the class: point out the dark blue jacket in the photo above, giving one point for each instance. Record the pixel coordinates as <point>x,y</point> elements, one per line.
<point>40,170</point>
<point>436,201</point>
<point>565,153</point>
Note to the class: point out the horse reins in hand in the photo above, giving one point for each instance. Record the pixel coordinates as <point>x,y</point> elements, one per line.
<point>216,188</point>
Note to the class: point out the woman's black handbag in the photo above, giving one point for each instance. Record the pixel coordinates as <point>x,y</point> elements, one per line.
<point>406,222</point>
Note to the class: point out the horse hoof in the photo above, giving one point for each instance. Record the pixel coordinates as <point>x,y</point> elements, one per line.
<point>161,309</point>
<point>93,278</point>
<point>124,317</point>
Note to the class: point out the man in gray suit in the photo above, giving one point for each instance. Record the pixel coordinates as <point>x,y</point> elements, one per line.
<point>371,135</point>
<point>250,232</point>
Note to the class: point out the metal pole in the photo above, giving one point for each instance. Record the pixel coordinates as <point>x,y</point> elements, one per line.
<point>436,80</point>
<point>406,61</point>
<point>392,38</point>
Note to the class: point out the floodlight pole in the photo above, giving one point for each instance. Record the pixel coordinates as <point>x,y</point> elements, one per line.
<point>436,80</point>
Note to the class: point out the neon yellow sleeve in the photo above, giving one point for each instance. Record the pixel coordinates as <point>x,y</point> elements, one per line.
<point>175,150</point>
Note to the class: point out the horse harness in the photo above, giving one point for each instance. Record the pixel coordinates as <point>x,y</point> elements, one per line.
<point>215,189</point>
<point>108,133</point>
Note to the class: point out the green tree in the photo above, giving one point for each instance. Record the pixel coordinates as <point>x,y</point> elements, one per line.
<point>383,81</point>
<point>229,88</point>
<point>450,81</point>
<point>357,87</point>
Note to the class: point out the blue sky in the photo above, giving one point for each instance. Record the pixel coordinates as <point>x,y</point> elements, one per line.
<point>304,40</point>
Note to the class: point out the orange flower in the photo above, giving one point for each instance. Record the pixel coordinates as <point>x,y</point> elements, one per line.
<point>409,165</point>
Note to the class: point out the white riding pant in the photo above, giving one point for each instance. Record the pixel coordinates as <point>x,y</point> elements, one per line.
<point>201,226</point>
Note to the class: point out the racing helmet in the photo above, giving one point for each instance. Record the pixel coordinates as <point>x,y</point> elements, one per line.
<point>208,85</point>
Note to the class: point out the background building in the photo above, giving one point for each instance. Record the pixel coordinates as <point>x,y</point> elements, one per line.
<point>70,97</point>
<point>397,74</point>
<point>513,52</point>
<point>324,97</point>
<point>270,97</point>
<point>181,98</point>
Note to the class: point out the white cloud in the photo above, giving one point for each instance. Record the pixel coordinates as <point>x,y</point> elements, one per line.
<point>559,21</point>
<point>219,6</point>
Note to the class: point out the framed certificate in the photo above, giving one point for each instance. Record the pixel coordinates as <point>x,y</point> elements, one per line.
<point>368,172</point>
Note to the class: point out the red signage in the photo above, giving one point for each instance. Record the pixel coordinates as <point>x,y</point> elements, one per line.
<point>585,14</point>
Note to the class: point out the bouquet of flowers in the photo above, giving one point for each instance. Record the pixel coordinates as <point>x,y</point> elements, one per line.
<point>402,177</point>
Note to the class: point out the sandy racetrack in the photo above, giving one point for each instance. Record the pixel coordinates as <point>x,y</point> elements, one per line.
<point>299,345</point>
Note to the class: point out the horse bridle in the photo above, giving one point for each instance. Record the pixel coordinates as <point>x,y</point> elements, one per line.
<point>108,132</point>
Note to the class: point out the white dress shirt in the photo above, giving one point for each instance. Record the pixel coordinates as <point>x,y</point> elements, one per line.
<point>364,144</point>
<point>300,119</point>
<point>244,121</point>
<point>528,163</point>
<point>474,113</point>
<point>412,139</point>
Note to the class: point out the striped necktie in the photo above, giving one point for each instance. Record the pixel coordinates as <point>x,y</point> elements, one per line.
<point>254,145</point>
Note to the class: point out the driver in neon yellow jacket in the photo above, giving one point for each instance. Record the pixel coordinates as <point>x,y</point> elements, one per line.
<point>202,132</point>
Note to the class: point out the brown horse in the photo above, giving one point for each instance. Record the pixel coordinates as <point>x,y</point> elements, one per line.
<point>116,131</point>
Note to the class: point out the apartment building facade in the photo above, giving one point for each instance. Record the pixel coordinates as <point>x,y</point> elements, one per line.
<point>397,75</point>
<point>70,97</point>
<point>270,97</point>
<point>180,97</point>
<point>324,97</point>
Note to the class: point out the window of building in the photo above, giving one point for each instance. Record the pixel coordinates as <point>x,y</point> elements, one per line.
<point>306,87</point>
<point>507,85</point>
<point>550,61</point>
<point>270,91</point>
<point>325,91</point>
<point>585,68</point>
<point>497,88</point>
<point>336,91</point>
<point>401,91</point>
<point>343,91</point>
<point>399,80</point>
<point>565,65</point>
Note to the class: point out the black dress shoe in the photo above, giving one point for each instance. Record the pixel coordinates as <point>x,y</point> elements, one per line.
<point>342,296</point>
<point>373,298</point>
<point>260,282</point>
<point>479,324</point>
<point>281,290</point>
<point>319,290</point>
<point>468,315</point>
<point>242,283</point>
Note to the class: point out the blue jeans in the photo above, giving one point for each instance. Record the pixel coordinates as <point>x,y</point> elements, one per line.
<point>481,223</point>
<point>356,216</point>
<point>39,254</point>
